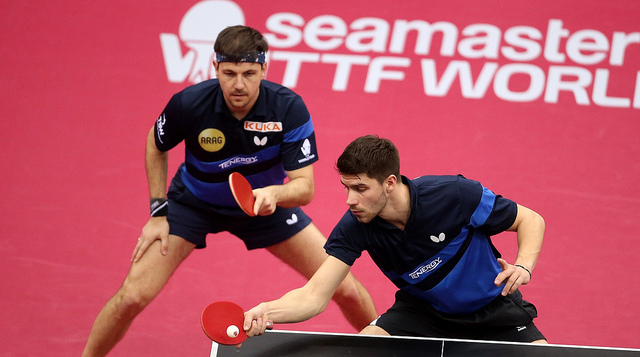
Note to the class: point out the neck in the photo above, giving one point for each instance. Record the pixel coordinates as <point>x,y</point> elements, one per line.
<point>398,207</point>
<point>239,115</point>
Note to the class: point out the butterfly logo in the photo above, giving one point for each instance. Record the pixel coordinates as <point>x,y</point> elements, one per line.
<point>292,220</point>
<point>439,238</point>
<point>260,142</point>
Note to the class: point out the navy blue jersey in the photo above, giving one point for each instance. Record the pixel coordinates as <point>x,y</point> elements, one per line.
<point>276,135</point>
<point>444,255</point>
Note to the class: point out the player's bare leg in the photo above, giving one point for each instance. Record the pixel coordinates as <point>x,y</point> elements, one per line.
<point>304,252</point>
<point>143,283</point>
<point>374,330</point>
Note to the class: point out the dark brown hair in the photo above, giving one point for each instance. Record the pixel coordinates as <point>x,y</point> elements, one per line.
<point>235,42</point>
<point>371,155</point>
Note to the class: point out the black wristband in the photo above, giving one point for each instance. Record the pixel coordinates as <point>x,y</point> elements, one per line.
<point>527,270</point>
<point>159,207</point>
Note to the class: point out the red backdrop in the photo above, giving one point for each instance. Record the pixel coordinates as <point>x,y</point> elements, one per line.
<point>539,100</point>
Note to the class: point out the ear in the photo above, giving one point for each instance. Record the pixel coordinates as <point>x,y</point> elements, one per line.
<point>215,68</point>
<point>264,71</point>
<point>390,183</point>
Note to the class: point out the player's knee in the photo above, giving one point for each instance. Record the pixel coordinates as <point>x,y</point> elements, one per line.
<point>131,300</point>
<point>374,330</point>
<point>349,292</point>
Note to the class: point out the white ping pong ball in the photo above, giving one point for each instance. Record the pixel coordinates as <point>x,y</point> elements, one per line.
<point>233,331</point>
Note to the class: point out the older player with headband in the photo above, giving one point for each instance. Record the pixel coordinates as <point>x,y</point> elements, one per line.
<point>237,122</point>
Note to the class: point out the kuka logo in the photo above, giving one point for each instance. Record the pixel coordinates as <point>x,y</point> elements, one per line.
<point>264,127</point>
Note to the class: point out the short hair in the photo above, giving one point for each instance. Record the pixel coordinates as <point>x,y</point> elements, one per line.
<point>371,155</point>
<point>235,42</point>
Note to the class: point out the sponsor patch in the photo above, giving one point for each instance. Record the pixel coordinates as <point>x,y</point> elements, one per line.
<point>211,140</point>
<point>268,127</point>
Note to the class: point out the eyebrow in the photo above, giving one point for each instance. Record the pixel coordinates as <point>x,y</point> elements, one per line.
<point>360,184</point>
<point>228,70</point>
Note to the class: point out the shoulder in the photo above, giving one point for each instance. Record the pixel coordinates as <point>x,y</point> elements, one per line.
<point>445,181</point>
<point>436,182</point>
<point>194,93</point>
<point>277,89</point>
<point>445,191</point>
<point>279,95</point>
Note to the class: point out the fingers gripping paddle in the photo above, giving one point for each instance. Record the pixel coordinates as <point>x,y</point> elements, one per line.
<point>242,192</point>
<point>222,322</point>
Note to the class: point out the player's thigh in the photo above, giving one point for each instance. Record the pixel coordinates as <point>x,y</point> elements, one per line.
<point>153,270</point>
<point>374,330</point>
<point>304,251</point>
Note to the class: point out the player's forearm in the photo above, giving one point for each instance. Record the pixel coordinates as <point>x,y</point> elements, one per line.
<point>295,306</point>
<point>295,193</point>
<point>156,163</point>
<point>530,235</point>
<point>298,191</point>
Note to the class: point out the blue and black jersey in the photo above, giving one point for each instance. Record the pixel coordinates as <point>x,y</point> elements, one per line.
<point>276,135</point>
<point>444,255</point>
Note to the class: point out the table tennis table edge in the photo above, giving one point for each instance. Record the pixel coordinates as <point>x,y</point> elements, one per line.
<point>214,345</point>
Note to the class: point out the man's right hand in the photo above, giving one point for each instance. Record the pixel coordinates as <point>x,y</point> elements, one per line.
<point>157,228</point>
<point>255,322</point>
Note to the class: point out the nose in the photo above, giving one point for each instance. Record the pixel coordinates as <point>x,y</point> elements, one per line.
<point>351,198</point>
<point>238,83</point>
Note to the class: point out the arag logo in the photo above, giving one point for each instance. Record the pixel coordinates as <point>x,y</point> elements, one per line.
<point>211,140</point>
<point>199,29</point>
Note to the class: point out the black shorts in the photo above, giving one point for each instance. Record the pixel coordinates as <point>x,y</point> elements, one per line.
<point>506,318</point>
<point>192,219</point>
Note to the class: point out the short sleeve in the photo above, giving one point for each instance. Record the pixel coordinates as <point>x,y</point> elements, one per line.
<point>169,127</point>
<point>299,142</point>
<point>342,242</point>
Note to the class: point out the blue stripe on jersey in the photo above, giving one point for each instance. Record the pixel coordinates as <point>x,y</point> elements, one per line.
<point>299,133</point>
<point>237,160</point>
<point>484,208</point>
<point>469,286</point>
<point>219,194</point>
<point>215,193</point>
<point>425,269</point>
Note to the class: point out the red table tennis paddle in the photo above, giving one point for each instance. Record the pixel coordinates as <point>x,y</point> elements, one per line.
<point>222,322</point>
<point>242,192</point>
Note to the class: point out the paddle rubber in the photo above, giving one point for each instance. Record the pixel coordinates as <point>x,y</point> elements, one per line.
<point>242,192</point>
<point>218,320</point>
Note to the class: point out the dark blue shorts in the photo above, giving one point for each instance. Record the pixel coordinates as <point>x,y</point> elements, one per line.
<point>506,318</point>
<point>192,219</point>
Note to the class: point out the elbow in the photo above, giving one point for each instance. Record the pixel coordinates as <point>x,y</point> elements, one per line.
<point>540,221</point>
<point>305,197</point>
<point>321,308</point>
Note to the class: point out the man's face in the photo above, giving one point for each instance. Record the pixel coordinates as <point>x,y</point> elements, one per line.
<point>240,83</point>
<point>365,196</point>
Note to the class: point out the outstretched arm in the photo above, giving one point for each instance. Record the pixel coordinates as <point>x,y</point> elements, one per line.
<point>299,304</point>
<point>298,191</point>
<point>529,226</point>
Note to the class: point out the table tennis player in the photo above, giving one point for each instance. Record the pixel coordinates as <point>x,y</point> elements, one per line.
<point>431,237</point>
<point>236,122</point>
